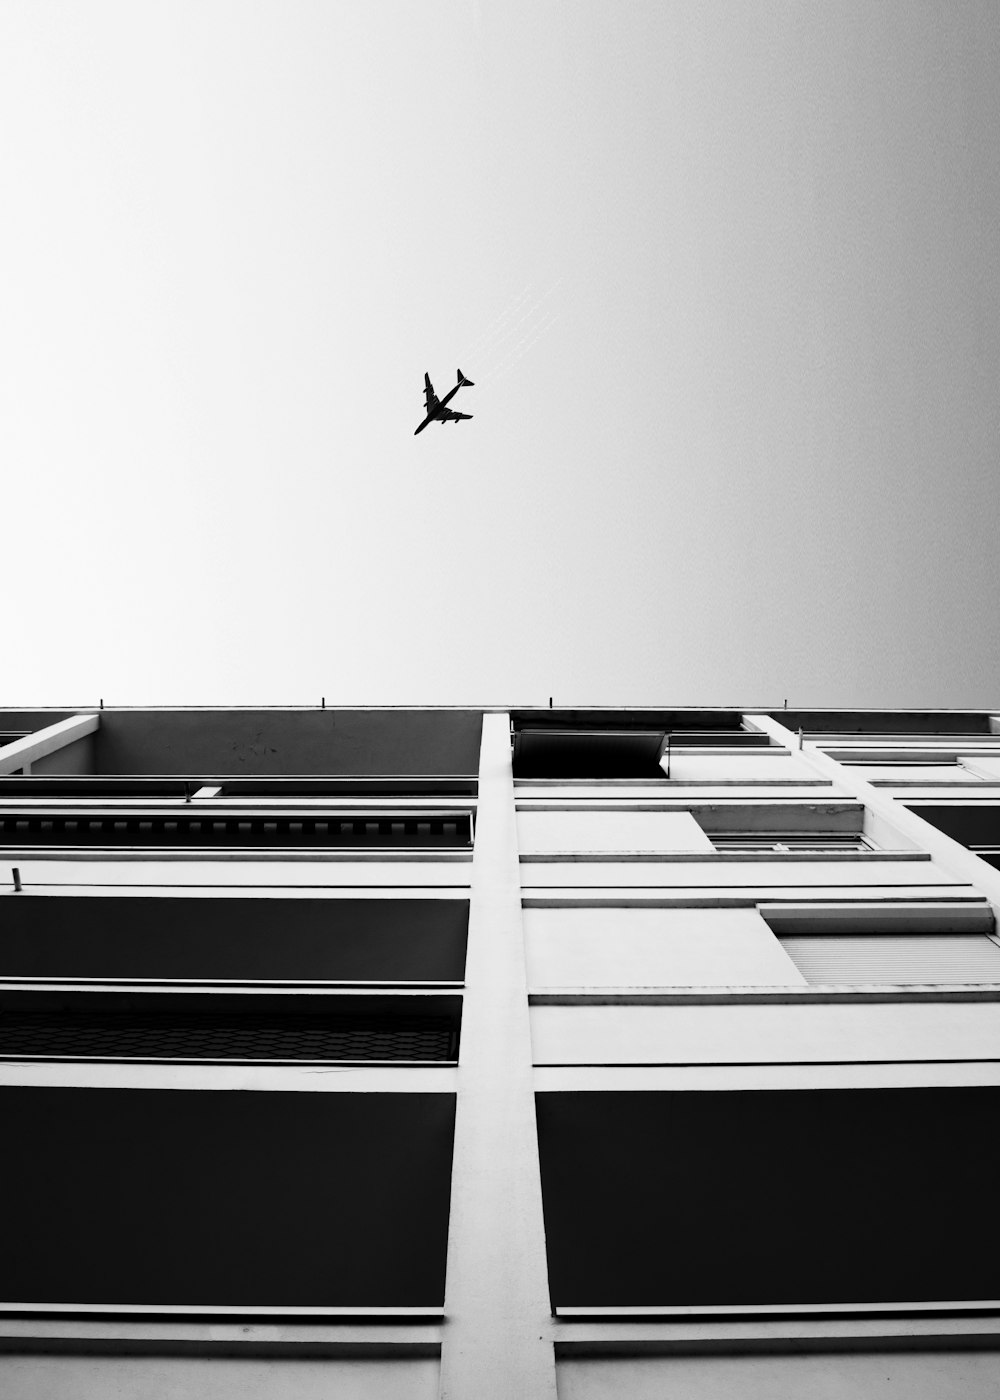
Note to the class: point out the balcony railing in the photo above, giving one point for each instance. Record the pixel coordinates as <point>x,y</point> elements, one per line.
<point>198,827</point>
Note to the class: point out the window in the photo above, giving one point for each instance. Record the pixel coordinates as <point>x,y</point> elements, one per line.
<point>895,959</point>
<point>906,945</point>
<point>766,1200</point>
<point>623,746</point>
<point>914,770</point>
<point>783,843</point>
<point>206,1200</point>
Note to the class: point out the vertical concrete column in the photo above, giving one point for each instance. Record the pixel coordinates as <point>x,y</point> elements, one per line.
<point>497,1342</point>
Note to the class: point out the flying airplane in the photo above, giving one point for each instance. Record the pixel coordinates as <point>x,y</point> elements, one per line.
<point>437,408</point>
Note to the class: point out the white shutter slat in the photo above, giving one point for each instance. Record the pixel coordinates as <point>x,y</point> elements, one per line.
<point>894,959</point>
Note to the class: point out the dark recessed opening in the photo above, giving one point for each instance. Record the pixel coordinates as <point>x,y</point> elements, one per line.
<point>220,1026</point>
<point>767,1197</point>
<point>205,1199</point>
<point>233,939</point>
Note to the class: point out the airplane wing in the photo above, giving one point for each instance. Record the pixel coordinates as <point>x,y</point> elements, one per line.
<point>430,398</point>
<point>447,414</point>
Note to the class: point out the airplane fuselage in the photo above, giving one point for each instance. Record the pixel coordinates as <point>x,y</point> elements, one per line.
<point>437,413</point>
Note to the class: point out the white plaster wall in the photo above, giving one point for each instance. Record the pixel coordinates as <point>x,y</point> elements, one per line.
<point>832,1376</point>
<point>986,765</point>
<point>553,832</point>
<point>768,1034</point>
<point>654,948</point>
<point>216,1378</point>
<point>734,768</point>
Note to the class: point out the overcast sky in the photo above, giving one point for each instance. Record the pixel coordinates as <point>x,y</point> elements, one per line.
<point>726,277</point>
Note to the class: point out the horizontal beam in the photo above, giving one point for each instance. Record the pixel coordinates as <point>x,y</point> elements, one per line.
<point>39,1335</point>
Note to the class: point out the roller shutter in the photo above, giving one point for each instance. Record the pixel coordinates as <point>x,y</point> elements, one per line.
<point>895,958</point>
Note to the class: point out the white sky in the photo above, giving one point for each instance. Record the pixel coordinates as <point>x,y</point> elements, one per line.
<point>725,275</point>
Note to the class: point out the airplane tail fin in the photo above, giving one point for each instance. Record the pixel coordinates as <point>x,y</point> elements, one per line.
<point>465,383</point>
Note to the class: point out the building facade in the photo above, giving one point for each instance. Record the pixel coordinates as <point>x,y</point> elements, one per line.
<point>499,1053</point>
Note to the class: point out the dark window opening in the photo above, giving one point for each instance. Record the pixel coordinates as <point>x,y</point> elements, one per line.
<point>698,1199</point>
<point>207,1199</point>
<point>606,745</point>
<point>233,939</point>
<point>784,842</point>
<point>975,827</point>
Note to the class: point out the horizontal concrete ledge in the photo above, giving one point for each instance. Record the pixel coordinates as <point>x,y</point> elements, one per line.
<point>971,799</point>
<point>742,897</point>
<point>534,708</point>
<point>727,807</point>
<point>725,1078</point>
<point>139,1337</point>
<point>260,1078</point>
<point>710,857</point>
<point>859,1309</point>
<point>734,996</point>
<point>673,785</point>
<point>231,806</point>
<point>975,784</point>
<point>408,990</point>
<point>153,1310</point>
<point>228,854</point>
<point>100,886</point>
<point>856,1334</point>
<point>274,1061</point>
<point>707,1063</point>
<point>684,798</point>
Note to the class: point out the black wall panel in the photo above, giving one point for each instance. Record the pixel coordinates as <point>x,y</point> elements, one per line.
<point>769,1197</point>
<point>207,1198</point>
<point>234,939</point>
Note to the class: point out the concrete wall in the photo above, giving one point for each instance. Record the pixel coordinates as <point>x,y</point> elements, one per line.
<point>551,832</point>
<point>219,743</point>
<point>29,721</point>
<point>867,1376</point>
<point>653,948</point>
<point>770,1034</point>
<point>216,1378</point>
<point>746,767</point>
<point>76,759</point>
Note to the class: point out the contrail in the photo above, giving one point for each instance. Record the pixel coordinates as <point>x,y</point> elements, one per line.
<point>502,334</point>
<point>521,320</point>
<point>515,336</point>
<point>497,321</point>
<point>521,348</point>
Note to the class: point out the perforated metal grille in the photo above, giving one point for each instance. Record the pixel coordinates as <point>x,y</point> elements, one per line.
<point>204,1036</point>
<point>236,829</point>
